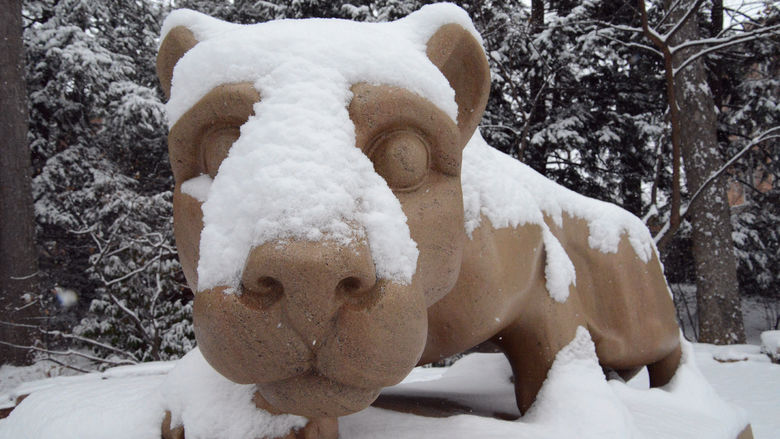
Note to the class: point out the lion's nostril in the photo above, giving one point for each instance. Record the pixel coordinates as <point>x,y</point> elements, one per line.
<point>350,286</point>
<point>269,285</point>
<point>261,293</point>
<point>357,291</point>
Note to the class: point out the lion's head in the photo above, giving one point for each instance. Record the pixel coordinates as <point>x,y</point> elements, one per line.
<point>318,208</point>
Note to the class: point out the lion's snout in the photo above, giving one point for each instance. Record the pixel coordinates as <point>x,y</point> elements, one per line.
<point>312,280</point>
<point>311,320</point>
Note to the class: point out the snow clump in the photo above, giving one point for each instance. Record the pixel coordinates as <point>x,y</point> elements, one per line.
<point>211,406</point>
<point>770,345</point>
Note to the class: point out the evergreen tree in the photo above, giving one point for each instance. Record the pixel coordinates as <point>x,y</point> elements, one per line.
<point>102,182</point>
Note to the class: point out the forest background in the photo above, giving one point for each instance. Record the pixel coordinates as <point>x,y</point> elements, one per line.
<point>581,92</point>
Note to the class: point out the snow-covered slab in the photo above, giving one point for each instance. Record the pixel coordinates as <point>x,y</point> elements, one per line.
<point>575,401</point>
<point>120,408</point>
<point>8,396</point>
<point>770,344</point>
<point>731,353</point>
<point>753,385</point>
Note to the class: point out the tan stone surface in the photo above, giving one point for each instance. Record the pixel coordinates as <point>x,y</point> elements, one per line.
<point>320,335</point>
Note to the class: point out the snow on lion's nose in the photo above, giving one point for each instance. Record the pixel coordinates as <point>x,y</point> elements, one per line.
<point>312,280</point>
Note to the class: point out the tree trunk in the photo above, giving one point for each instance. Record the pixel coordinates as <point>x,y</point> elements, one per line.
<point>18,259</point>
<point>718,301</point>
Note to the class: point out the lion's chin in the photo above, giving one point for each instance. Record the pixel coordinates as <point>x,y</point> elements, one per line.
<point>315,396</point>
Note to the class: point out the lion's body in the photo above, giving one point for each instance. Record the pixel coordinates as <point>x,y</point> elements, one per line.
<point>501,297</point>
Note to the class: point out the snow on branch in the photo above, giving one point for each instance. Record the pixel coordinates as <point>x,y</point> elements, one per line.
<point>726,42</point>
<point>772,133</point>
<point>69,352</point>
<point>133,316</point>
<point>634,45</point>
<point>692,10</point>
<point>668,12</point>
<point>91,342</point>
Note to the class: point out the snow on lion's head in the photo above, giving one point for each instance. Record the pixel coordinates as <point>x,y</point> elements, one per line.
<point>318,208</point>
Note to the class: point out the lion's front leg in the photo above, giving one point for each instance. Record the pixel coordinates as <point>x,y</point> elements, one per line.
<point>533,340</point>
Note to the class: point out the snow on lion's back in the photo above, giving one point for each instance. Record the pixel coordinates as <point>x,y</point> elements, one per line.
<point>510,194</point>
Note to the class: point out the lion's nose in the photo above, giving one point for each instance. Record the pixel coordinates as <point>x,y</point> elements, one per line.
<point>311,280</point>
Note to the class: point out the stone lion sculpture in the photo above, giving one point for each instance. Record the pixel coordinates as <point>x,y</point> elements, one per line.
<point>341,220</point>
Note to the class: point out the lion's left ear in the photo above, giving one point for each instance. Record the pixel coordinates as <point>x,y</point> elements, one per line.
<point>176,43</point>
<point>459,56</point>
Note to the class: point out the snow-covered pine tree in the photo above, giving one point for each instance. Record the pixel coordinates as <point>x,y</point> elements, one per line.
<point>102,182</point>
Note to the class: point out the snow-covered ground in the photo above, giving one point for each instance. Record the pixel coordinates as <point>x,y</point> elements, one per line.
<point>576,401</point>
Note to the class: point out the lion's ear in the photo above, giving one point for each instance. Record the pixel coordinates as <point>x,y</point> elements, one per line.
<point>176,43</point>
<point>459,56</point>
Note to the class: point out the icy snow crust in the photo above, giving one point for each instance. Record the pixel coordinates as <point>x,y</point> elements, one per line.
<point>510,194</point>
<point>294,172</point>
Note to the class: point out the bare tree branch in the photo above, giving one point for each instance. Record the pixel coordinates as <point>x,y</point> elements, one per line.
<point>69,352</point>
<point>130,274</point>
<point>65,365</point>
<point>709,50</point>
<point>741,37</point>
<point>666,231</point>
<point>674,113</point>
<point>634,45</point>
<point>92,342</point>
<point>692,10</point>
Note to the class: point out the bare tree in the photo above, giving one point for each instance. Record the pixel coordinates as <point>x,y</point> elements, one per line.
<point>694,127</point>
<point>18,259</point>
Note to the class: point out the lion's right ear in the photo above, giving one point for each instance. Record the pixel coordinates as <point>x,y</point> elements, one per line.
<point>176,43</point>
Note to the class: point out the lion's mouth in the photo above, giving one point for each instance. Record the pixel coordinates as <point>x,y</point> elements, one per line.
<point>314,396</point>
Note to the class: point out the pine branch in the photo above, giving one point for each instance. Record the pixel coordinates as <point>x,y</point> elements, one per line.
<point>133,316</point>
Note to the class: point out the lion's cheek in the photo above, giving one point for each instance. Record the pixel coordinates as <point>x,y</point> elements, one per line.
<point>247,345</point>
<point>377,346</point>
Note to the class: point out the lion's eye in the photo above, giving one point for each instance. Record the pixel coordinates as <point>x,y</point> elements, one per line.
<point>401,158</point>
<point>215,145</point>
